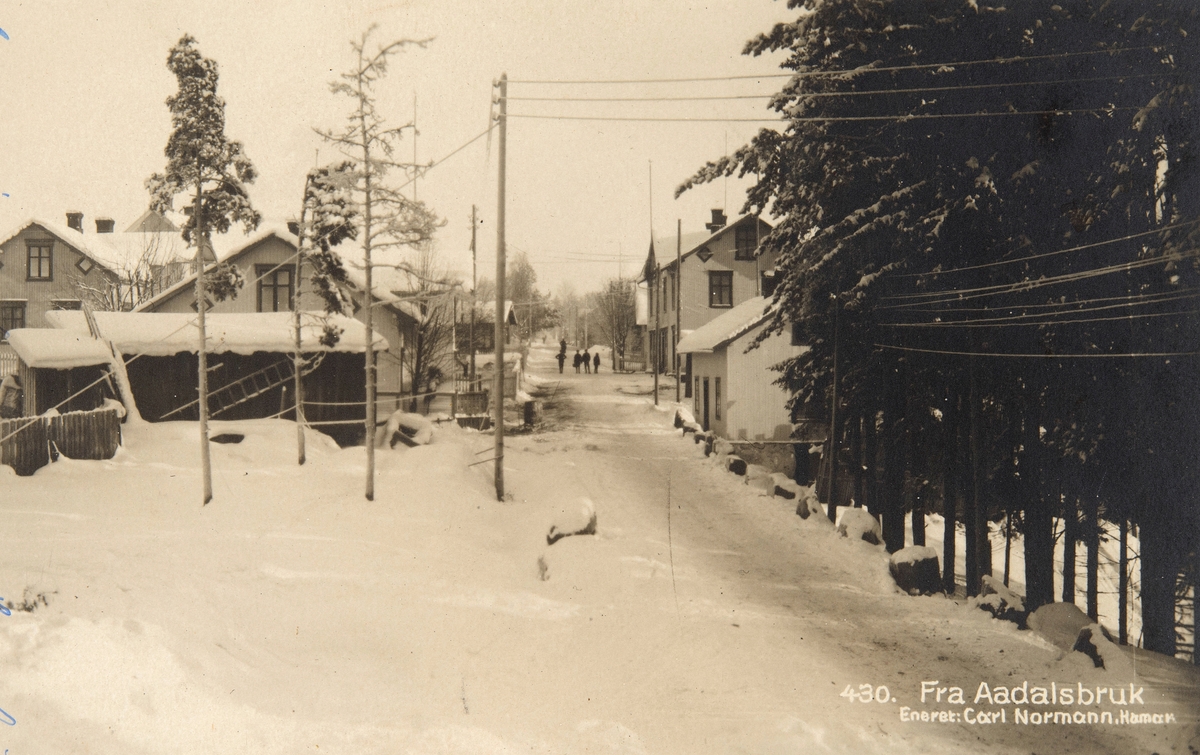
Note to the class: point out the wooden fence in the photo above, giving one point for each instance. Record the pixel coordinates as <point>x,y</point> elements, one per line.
<point>8,361</point>
<point>76,435</point>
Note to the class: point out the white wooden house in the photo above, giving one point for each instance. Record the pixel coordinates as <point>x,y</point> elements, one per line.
<point>733,385</point>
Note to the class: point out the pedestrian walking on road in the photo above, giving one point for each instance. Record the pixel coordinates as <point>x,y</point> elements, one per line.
<point>596,362</point>
<point>578,359</point>
<point>587,362</point>
<point>562,358</point>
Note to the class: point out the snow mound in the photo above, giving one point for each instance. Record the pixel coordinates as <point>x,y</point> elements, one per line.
<point>579,519</point>
<point>857,524</point>
<point>406,428</point>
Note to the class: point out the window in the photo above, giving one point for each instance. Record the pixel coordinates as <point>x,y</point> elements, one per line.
<point>697,394</point>
<point>717,397</point>
<point>12,316</point>
<point>274,288</point>
<point>745,241</point>
<point>39,256</point>
<point>720,288</point>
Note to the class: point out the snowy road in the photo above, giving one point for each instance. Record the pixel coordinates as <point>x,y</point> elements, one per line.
<point>291,615</point>
<point>772,617</point>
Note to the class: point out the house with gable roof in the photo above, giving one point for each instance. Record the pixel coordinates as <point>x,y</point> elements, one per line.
<point>267,262</point>
<point>715,272</point>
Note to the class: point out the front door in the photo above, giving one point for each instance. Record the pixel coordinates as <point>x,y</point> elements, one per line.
<point>705,423</point>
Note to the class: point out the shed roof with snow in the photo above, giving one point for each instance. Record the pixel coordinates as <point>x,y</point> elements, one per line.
<point>732,324</point>
<point>165,334</point>
<point>58,349</point>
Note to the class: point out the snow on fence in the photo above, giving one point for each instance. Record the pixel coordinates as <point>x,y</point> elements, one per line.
<point>76,435</point>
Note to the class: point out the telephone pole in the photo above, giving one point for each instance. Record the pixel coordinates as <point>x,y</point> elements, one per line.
<point>502,121</point>
<point>474,224</point>
<point>678,302</point>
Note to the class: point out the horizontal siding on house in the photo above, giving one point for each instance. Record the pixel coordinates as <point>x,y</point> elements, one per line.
<point>68,282</point>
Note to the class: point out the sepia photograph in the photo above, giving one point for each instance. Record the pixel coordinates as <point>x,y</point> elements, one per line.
<point>637,377</point>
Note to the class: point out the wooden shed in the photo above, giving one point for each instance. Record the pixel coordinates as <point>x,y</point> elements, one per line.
<point>252,358</point>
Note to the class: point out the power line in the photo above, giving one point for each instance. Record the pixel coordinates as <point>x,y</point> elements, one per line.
<point>1135,355</point>
<point>1022,286</point>
<point>1038,323</point>
<point>1130,300</point>
<point>830,119</point>
<point>439,161</point>
<point>843,72</point>
<point>1043,255</point>
<point>851,93</point>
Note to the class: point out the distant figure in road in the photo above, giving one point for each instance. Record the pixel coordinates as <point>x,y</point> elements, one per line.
<point>587,362</point>
<point>562,358</point>
<point>578,359</point>
<point>562,347</point>
<point>596,362</point>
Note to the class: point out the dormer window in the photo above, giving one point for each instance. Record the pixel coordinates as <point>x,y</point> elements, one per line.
<point>745,241</point>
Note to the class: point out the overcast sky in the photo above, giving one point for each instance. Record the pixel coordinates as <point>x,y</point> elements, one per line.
<point>84,120</point>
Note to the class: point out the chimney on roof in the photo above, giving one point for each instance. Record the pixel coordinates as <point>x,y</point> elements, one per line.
<point>75,221</point>
<point>104,225</point>
<point>718,221</point>
<point>294,227</point>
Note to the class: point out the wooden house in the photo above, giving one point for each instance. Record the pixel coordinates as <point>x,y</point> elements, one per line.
<point>709,273</point>
<point>733,386</point>
<point>267,262</point>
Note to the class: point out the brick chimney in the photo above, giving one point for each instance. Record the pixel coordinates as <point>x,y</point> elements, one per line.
<point>104,225</point>
<point>293,227</point>
<point>718,221</point>
<point>75,221</point>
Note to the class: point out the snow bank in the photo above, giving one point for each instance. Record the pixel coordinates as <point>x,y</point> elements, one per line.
<point>857,524</point>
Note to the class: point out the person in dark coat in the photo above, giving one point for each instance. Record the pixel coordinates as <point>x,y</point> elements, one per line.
<point>562,347</point>
<point>578,359</point>
<point>587,362</point>
<point>596,362</point>
<point>562,358</point>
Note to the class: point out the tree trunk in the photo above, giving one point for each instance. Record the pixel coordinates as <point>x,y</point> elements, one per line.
<point>1159,568</point>
<point>1092,533</point>
<point>1039,539</point>
<point>1123,583</point>
<point>1070,538</point>
<point>969,448</point>
<point>856,460</point>
<point>949,495</point>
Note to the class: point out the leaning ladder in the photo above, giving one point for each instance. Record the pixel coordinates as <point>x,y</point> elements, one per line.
<point>251,386</point>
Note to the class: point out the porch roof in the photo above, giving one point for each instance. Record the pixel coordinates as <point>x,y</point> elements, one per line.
<point>57,349</point>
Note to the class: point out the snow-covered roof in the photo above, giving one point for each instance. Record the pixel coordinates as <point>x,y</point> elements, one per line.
<point>723,329</point>
<point>488,309</point>
<point>164,334</point>
<point>58,349</point>
<point>90,245</point>
<point>190,280</point>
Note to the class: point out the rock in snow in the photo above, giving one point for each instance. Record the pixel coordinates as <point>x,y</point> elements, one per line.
<point>857,523</point>
<point>735,464</point>
<point>915,570</point>
<point>759,477</point>
<point>1059,623</point>
<point>784,487</point>
<point>409,429</point>
<point>579,519</point>
<point>1000,602</point>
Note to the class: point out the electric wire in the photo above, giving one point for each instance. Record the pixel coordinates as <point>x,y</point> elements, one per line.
<point>826,119</point>
<point>1132,355</point>
<point>844,72</point>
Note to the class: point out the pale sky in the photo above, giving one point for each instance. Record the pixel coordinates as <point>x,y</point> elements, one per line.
<point>84,120</point>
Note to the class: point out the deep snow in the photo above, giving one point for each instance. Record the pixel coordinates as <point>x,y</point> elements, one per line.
<point>292,615</point>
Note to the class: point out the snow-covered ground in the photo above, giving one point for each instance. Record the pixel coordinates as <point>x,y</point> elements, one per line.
<point>292,615</point>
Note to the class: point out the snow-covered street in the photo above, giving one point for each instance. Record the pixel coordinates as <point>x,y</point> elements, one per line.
<point>292,615</point>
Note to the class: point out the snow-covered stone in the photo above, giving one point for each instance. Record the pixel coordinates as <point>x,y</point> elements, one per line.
<point>409,429</point>
<point>722,447</point>
<point>576,519</point>
<point>808,505</point>
<point>759,477</point>
<point>1059,623</point>
<point>857,524</point>
<point>1000,601</point>
<point>683,417</point>
<point>735,464</point>
<point>692,427</point>
<point>784,487</point>
<point>915,570</point>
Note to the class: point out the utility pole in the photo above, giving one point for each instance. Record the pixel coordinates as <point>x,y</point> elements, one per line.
<point>678,301</point>
<point>655,342</point>
<point>299,360</point>
<point>833,418</point>
<point>500,269</point>
<point>474,223</point>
